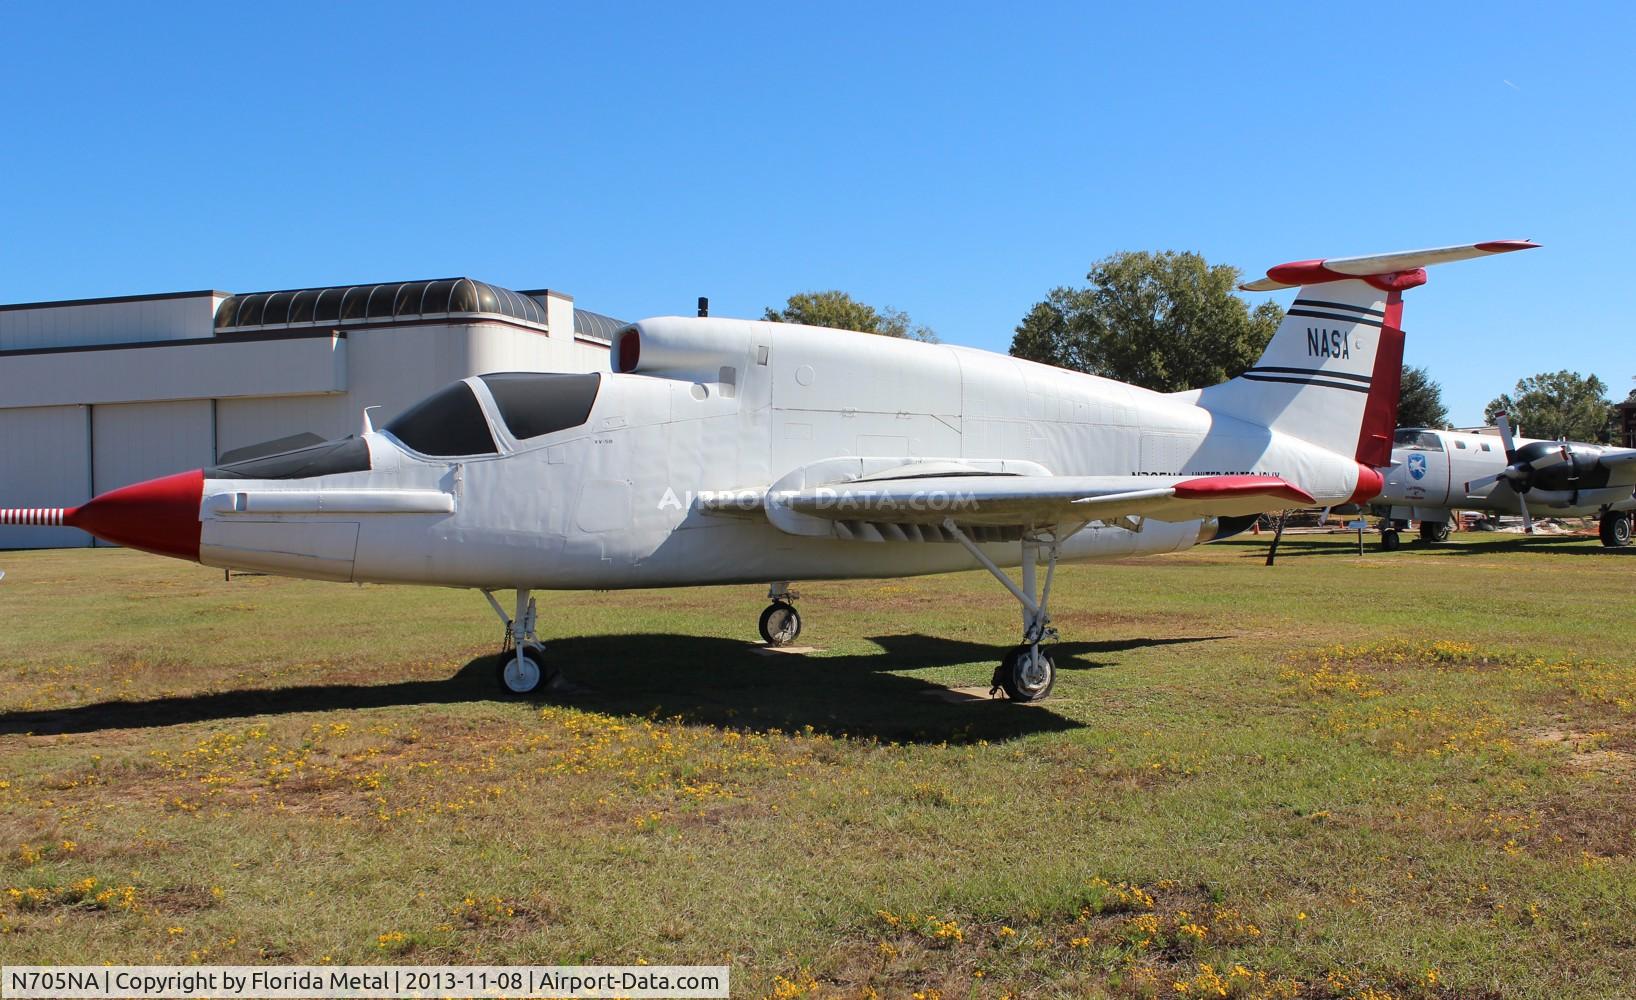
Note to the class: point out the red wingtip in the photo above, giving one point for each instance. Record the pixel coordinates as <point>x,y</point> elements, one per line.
<point>1506,246</point>
<point>1220,487</point>
<point>159,515</point>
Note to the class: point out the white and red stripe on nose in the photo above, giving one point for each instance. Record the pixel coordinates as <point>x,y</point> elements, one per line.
<point>45,517</point>
<point>159,515</point>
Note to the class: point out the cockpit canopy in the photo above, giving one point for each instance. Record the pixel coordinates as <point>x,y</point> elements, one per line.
<point>451,422</point>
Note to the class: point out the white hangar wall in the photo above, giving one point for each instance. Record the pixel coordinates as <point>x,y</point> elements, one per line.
<point>45,455</point>
<point>97,394</point>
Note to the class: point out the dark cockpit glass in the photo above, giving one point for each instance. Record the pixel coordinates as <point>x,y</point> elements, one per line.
<point>446,424</point>
<point>532,403</point>
<point>1416,439</point>
<point>350,454</point>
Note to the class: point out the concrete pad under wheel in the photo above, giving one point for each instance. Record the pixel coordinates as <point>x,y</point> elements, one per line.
<point>961,695</point>
<point>798,650</point>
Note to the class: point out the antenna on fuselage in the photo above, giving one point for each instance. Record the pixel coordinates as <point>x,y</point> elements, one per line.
<point>704,306</point>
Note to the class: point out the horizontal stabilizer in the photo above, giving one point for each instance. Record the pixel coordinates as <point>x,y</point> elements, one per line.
<point>1377,266</point>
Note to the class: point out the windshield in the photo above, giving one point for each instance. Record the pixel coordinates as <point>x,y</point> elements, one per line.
<point>447,423</point>
<point>534,403</point>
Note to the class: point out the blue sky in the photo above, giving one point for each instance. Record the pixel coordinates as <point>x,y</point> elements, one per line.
<point>954,160</point>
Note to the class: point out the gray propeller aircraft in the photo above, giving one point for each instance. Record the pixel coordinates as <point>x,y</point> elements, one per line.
<point>1434,473</point>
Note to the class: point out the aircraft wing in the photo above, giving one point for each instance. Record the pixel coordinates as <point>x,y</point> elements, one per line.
<point>1041,501</point>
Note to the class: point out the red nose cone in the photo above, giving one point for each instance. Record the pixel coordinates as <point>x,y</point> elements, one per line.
<point>160,515</point>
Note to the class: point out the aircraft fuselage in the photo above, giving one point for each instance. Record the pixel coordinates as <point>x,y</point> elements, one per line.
<point>611,501</point>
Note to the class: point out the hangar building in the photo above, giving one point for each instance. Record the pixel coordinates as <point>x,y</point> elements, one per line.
<point>98,393</point>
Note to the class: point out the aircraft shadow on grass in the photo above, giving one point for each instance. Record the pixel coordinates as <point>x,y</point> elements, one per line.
<point>699,679</point>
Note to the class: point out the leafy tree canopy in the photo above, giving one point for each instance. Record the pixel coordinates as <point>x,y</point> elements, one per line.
<point>840,311</point>
<point>1556,405</point>
<point>1168,321</point>
<point>1420,403</point>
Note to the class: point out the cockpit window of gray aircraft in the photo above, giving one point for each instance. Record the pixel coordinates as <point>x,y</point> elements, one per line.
<point>1417,440</point>
<point>532,403</point>
<point>447,423</point>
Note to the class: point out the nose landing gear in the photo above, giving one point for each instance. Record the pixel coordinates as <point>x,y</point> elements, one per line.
<point>780,623</point>
<point>525,671</point>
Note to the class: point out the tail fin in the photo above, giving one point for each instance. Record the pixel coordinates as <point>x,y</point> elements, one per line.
<point>1332,371</point>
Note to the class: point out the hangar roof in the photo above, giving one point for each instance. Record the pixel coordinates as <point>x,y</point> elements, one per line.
<point>374,304</point>
<point>596,326</point>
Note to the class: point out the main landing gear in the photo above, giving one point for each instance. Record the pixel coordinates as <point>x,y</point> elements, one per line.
<point>780,623</point>
<point>1615,528</point>
<point>1389,538</point>
<point>1027,673</point>
<point>1433,532</point>
<point>524,670</point>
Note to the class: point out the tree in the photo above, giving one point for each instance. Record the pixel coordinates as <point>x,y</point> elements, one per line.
<point>1420,401</point>
<point>1168,321</point>
<point>840,311</point>
<point>1556,405</point>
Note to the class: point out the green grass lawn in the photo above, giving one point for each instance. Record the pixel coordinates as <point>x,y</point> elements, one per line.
<point>1400,775</point>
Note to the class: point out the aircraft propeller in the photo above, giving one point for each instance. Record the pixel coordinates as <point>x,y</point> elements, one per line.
<point>1520,475</point>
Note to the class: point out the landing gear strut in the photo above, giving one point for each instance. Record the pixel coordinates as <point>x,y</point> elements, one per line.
<point>780,623</point>
<point>1027,673</point>
<point>524,669</point>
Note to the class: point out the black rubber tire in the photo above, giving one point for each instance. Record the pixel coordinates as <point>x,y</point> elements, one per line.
<point>1434,531</point>
<point>780,624</point>
<point>1018,689</point>
<point>1389,540</point>
<point>1615,529</point>
<point>530,682</point>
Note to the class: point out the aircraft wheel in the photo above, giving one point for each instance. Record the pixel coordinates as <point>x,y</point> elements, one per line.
<point>1025,675</point>
<point>1615,529</point>
<point>1389,540</point>
<point>1434,531</point>
<point>523,676</point>
<point>780,624</point>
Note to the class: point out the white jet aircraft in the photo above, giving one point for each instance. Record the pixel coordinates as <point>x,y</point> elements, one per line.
<point>1435,472</point>
<point>731,451</point>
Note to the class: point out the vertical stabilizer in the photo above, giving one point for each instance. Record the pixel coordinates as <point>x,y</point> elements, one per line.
<point>1332,372</point>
